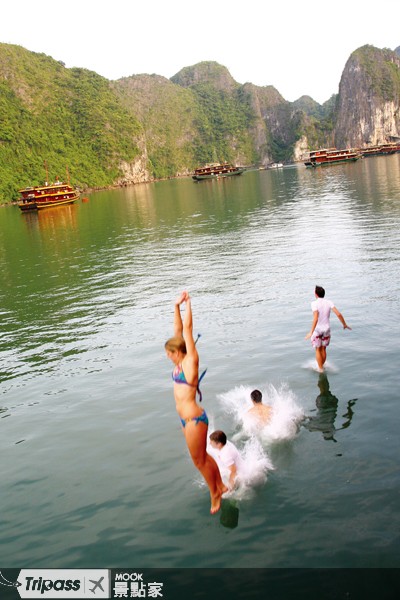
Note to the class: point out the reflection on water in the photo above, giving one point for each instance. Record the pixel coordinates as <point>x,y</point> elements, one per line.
<point>64,217</point>
<point>379,184</point>
<point>327,407</point>
<point>229,517</point>
<point>52,219</point>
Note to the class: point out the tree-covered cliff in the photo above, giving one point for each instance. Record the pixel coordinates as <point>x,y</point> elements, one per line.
<point>368,106</point>
<point>144,127</point>
<point>64,116</point>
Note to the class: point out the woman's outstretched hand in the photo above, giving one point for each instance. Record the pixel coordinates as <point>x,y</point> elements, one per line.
<point>182,298</point>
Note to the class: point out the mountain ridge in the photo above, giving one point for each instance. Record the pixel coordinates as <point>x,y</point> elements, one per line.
<point>145,127</point>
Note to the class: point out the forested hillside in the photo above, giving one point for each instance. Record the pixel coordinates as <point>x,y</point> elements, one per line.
<point>64,116</point>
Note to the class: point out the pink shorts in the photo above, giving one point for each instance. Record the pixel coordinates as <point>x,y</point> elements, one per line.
<point>321,338</point>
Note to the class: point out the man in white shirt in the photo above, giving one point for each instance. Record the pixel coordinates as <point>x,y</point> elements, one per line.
<point>320,332</point>
<point>227,456</point>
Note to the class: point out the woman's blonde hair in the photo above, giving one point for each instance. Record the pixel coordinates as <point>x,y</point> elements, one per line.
<point>176,343</point>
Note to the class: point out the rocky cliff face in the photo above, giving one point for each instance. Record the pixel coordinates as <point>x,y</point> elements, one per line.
<point>368,107</point>
<point>203,114</point>
<point>265,103</point>
<point>242,123</point>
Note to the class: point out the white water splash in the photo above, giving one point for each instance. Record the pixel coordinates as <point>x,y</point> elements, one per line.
<point>312,365</point>
<point>253,471</point>
<point>253,440</point>
<point>285,419</point>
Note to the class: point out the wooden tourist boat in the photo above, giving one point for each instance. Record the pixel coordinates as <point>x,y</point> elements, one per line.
<point>380,150</point>
<point>55,194</point>
<point>215,170</point>
<point>49,194</point>
<point>330,156</point>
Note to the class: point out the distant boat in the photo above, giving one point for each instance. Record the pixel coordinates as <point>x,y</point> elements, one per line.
<point>275,166</point>
<point>330,156</point>
<point>215,170</point>
<point>49,194</point>
<point>380,149</point>
<point>54,194</point>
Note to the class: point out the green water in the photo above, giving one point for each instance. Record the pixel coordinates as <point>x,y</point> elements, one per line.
<point>95,472</point>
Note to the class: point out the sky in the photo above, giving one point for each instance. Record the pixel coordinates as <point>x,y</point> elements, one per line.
<point>300,48</point>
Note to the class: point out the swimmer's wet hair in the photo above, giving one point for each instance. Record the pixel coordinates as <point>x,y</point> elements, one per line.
<point>218,437</point>
<point>256,396</point>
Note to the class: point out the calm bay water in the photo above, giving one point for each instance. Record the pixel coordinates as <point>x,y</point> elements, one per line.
<point>95,471</point>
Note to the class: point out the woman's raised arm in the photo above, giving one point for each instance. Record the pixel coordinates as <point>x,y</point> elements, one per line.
<point>188,330</point>
<point>178,325</point>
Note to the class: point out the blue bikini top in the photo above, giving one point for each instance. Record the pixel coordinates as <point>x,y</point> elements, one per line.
<point>179,377</point>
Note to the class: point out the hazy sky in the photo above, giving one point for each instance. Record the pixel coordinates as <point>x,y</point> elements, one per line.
<point>298,47</point>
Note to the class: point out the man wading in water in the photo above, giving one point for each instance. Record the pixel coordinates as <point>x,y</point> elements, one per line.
<point>320,332</point>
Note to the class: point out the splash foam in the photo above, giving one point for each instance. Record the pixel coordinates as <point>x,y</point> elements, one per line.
<point>285,419</point>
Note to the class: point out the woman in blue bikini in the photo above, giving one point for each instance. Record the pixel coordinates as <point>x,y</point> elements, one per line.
<point>181,349</point>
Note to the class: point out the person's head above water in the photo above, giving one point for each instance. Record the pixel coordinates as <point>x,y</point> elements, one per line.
<point>218,437</point>
<point>256,396</point>
<point>320,292</point>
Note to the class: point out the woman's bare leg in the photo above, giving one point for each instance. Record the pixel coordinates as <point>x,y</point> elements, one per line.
<point>196,440</point>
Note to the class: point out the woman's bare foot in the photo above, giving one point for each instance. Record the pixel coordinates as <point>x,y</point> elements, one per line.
<point>215,503</point>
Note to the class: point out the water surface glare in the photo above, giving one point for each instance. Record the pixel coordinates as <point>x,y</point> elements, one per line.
<point>95,472</point>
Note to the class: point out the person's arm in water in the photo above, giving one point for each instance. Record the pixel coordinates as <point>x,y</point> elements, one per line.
<point>232,476</point>
<point>340,317</point>
<point>313,325</point>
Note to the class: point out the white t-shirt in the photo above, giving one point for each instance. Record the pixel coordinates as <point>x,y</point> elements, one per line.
<point>324,307</point>
<point>229,455</point>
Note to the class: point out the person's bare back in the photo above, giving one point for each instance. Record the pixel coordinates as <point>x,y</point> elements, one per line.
<point>261,413</point>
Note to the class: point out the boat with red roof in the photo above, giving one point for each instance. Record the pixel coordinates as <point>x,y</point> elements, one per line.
<point>331,156</point>
<point>46,195</point>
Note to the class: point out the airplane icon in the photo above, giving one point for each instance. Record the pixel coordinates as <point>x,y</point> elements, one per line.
<point>97,584</point>
<point>7,582</point>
